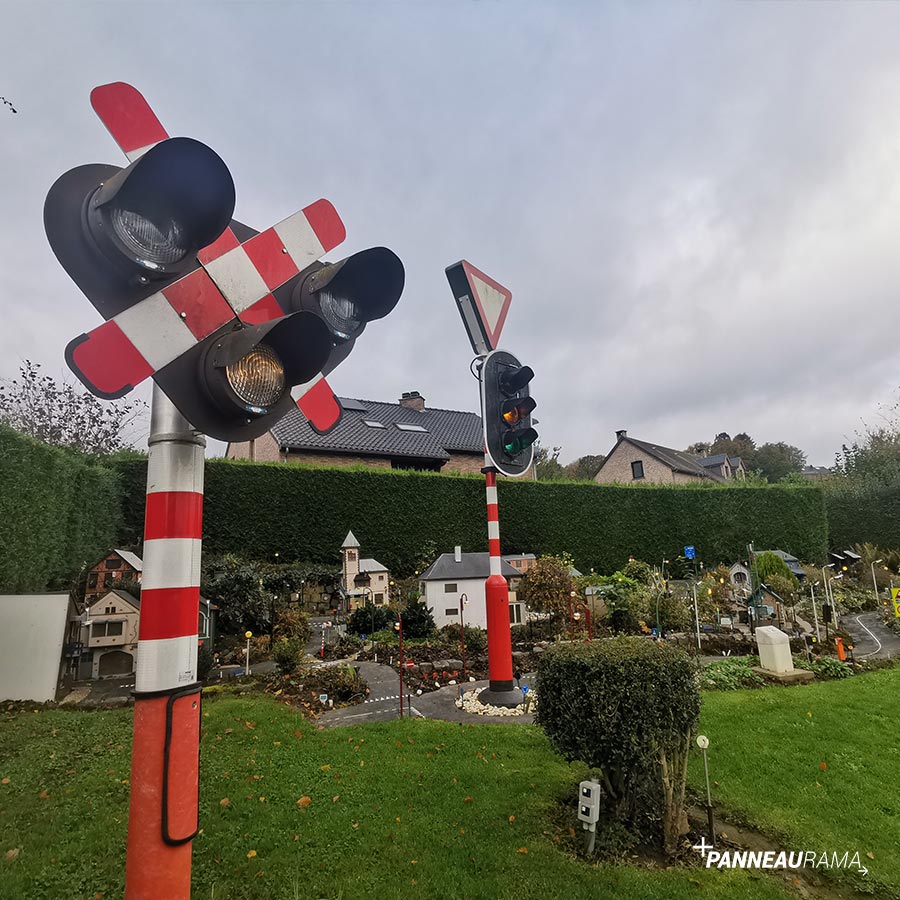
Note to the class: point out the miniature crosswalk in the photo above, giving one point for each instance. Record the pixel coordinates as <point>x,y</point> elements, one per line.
<point>379,699</point>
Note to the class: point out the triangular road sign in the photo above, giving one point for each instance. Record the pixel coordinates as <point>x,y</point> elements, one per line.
<point>483,304</point>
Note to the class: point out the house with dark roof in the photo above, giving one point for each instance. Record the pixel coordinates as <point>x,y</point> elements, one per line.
<point>402,435</point>
<point>631,460</point>
<point>453,588</point>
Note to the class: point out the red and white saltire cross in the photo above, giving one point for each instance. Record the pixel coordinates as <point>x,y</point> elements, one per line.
<point>135,128</point>
<point>235,278</point>
<point>170,590</point>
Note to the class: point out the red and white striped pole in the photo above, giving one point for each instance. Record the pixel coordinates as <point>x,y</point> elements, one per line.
<point>165,761</point>
<point>501,690</point>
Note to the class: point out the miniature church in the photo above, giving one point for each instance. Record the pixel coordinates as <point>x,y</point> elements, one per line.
<point>363,581</point>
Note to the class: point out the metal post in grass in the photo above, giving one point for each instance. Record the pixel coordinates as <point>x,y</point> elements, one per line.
<point>703,744</point>
<point>696,615</point>
<point>398,625</point>
<point>463,602</point>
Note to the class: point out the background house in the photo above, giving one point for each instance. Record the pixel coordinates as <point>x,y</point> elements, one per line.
<point>521,562</point>
<point>362,580</point>
<point>451,575</point>
<point>402,435</point>
<point>631,460</point>
<point>117,565</point>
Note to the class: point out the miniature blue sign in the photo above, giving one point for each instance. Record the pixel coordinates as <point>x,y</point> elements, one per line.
<point>690,552</point>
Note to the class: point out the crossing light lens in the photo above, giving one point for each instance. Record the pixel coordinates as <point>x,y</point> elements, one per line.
<point>341,314</point>
<point>257,378</point>
<point>153,244</point>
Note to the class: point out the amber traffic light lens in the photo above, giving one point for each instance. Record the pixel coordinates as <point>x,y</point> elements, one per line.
<point>258,378</point>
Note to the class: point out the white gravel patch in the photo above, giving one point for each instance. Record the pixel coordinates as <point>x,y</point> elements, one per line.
<point>470,703</point>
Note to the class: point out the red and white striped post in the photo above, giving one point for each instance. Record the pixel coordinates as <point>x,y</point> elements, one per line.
<point>165,761</point>
<point>501,690</point>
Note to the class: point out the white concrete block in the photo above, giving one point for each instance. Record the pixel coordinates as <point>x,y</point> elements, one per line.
<point>774,650</point>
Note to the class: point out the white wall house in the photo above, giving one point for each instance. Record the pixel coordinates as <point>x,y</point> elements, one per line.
<point>456,577</point>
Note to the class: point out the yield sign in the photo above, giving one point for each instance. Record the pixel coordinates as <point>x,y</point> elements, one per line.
<point>483,304</point>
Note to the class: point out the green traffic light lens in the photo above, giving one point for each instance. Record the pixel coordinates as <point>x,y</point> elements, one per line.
<point>515,442</point>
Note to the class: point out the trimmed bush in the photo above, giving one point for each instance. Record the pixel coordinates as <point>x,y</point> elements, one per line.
<point>401,517</point>
<point>476,638</point>
<point>59,509</point>
<point>370,619</point>
<point>627,707</point>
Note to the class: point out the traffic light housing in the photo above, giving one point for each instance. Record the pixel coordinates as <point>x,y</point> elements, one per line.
<point>346,296</point>
<point>124,234</point>
<point>506,408</point>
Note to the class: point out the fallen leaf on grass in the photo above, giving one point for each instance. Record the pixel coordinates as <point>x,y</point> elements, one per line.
<point>224,802</point>
<point>355,825</point>
<point>251,854</point>
<point>250,724</point>
<point>335,798</point>
<point>522,850</point>
<point>467,800</point>
<point>571,832</point>
<point>413,862</point>
<point>304,801</point>
<point>512,819</point>
<point>44,795</point>
<point>4,781</point>
<point>228,731</point>
<point>823,766</point>
<point>870,855</point>
<point>298,734</point>
<point>325,768</point>
<point>12,854</point>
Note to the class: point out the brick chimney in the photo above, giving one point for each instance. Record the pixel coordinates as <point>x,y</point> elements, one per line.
<point>413,400</point>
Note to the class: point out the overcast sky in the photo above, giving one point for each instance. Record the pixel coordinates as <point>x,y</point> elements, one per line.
<point>695,205</point>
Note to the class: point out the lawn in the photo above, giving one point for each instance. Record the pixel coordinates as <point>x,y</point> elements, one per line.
<point>412,809</point>
<point>815,765</point>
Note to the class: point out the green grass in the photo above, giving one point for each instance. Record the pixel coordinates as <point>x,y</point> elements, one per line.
<point>766,751</point>
<point>422,811</point>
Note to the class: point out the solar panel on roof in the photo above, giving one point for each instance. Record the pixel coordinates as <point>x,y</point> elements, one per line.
<point>352,405</point>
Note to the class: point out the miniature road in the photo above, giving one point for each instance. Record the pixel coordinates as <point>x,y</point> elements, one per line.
<point>872,640</point>
<point>383,703</point>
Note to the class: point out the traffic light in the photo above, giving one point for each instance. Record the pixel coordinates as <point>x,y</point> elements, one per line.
<point>123,234</point>
<point>228,335</point>
<point>506,407</point>
<point>346,296</point>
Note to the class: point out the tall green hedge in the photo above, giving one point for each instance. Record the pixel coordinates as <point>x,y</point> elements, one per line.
<point>58,510</point>
<point>863,513</point>
<point>403,518</point>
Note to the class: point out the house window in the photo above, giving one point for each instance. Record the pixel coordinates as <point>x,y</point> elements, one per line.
<point>109,610</point>
<point>449,588</point>
<point>92,579</point>
<point>113,628</point>
<point>379,599</point>
<point>404,427</point>
<point>351,555</point>
<point>739,577</point>
<point>372,423</point>
<point>637,470</point>
<point>451,612</point>
<point>113,564</point>
<point>515,613</point>
<point>381,577</point>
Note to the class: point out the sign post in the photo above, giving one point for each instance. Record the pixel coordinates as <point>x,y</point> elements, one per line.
<point>895,600</point>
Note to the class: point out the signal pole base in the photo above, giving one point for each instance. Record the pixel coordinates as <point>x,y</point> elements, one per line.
<point>501,693</point>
